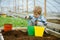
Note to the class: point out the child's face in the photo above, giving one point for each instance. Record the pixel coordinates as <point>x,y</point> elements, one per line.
<point>37,12</point>
<point>36,15</point>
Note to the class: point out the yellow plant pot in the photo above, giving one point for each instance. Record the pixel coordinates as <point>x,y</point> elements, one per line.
<point>39,31</point>
<point>4,16</point>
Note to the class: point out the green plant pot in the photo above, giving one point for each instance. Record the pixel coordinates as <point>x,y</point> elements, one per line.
<point>30,30</point>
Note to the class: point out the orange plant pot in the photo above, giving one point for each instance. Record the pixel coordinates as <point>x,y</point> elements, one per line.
<point>7,27</point>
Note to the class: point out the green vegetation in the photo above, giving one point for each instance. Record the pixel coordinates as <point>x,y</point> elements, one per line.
<point>16,22</point>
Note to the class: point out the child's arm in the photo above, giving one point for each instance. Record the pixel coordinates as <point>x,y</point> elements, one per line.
<point>44,20</point>
<point>29,16</point>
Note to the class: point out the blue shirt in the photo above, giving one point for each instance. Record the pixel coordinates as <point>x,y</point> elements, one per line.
<point>41,19</point>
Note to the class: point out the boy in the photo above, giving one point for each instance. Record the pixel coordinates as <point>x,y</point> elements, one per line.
<point>36,18</point>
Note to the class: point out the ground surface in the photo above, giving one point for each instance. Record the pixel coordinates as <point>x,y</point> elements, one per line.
<point>19,35</point>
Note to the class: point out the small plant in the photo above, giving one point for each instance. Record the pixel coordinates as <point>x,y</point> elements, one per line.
<point>16,22</point>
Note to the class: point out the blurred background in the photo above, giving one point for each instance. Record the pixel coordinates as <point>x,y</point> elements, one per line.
<point>51,8</point>
<point>22,6</point>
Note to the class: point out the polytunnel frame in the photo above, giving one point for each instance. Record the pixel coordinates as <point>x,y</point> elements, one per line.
<point>14,3</point>
<point>24,28</point>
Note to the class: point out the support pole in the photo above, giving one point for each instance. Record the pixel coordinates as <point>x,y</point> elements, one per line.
<point>18,6</point>
<point>15,6</point>
<point>22,5</point>
<point>45,8</point>
<point>34,3</point>
<point>27,7</point>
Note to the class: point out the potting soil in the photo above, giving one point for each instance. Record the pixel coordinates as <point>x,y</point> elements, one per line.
<point>19,35</point>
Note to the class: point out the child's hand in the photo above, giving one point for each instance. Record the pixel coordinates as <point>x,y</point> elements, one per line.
<point>35,23</point>
<point>26,17</point>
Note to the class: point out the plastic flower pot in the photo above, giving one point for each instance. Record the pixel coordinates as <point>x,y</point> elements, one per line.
<point>30,30</point>
<point>7,27</point>
<point>4,15</point>
<point>39,31</point>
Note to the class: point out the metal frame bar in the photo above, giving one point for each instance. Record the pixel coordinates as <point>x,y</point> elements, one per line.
<point>22,6</point>
<point>15,6</point>
<point>27,7</point>
<point>18,6</point>
<point>34,3</point>
<point>45,8</point>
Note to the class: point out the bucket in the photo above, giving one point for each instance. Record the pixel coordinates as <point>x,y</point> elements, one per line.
<point>39,31</point>
<point>30,30</point>
<point>7,27</point>
<point>4,15</point>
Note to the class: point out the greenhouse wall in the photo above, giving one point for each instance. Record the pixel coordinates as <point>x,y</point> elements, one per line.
<point>22,8</point>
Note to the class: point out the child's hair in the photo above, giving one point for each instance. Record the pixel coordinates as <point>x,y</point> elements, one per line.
<point>37,9</point>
